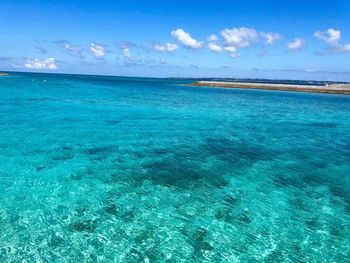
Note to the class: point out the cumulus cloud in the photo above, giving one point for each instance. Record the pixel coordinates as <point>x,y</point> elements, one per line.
<point>47,63</point>
<point>330,36</point>
<point>240,37</point>
<point>346,47</point>
<point>97,51</point>
<point>212,38</point>
<point>270,38</point>
<point>125,50</point>
<point>233,39</point>
<point>215,47</point>
<point>244,37</point>
<point>126,53</point>
<point>230,49</point>
<point>186,39</point>
<point>218,49</point>
<point>130,59</point>
<point>74,51</point>
<point>167,47</point>
<point>296,44</point>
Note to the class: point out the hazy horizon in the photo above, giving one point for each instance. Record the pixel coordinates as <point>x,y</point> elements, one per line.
<point>170,77</point>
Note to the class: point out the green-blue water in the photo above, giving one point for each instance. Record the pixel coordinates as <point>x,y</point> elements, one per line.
<point>103,169</point>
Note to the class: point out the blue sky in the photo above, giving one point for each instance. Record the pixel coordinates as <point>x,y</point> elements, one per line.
<point>255,39</point>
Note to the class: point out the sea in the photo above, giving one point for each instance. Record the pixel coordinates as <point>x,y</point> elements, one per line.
<point>125,169</point>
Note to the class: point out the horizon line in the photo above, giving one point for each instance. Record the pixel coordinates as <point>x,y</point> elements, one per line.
<point>149,77</point>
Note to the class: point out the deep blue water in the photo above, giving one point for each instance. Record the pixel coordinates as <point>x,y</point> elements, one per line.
<point>109,169</point>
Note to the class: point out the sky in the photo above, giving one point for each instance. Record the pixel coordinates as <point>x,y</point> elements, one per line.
<point>178,38</point>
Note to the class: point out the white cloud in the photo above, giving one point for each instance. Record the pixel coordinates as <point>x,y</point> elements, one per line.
<point>234,55</point>
<point>240,37</point>
<point>125,50</point>
<point>215,47</point>
<point>168,47</point>
<point>230,49</point>
<point>236,38</point>
<point>218,49</point>
<point>271,37</point>
<point>309,70</point>
<point>296,44</point>
<point>127,54</point>
<point>331,36</point>
<point>97,50</point>
<point>185,39</point>
<point>212,38</point>
<point>73,50</point>
<point>47,63</point>
<point>233,39</point>
<point>346,47</point>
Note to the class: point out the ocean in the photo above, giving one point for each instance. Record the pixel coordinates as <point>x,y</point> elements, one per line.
<point>121,169</point>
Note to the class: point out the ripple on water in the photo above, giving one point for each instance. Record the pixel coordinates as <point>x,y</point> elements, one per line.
<point>142,171</point>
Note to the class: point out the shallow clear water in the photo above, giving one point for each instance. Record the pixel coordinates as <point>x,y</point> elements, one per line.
<point>102,169</point>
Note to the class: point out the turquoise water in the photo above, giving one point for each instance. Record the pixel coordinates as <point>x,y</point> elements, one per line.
<point>103,169</point>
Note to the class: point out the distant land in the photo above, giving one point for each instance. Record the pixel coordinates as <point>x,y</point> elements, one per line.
<point>334,88</point>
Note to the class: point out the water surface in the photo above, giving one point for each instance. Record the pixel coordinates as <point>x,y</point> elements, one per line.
<point>108,169</point>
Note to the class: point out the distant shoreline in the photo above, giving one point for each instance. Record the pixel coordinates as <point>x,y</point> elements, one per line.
<point>4,74</point>
<point>328,89</point>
